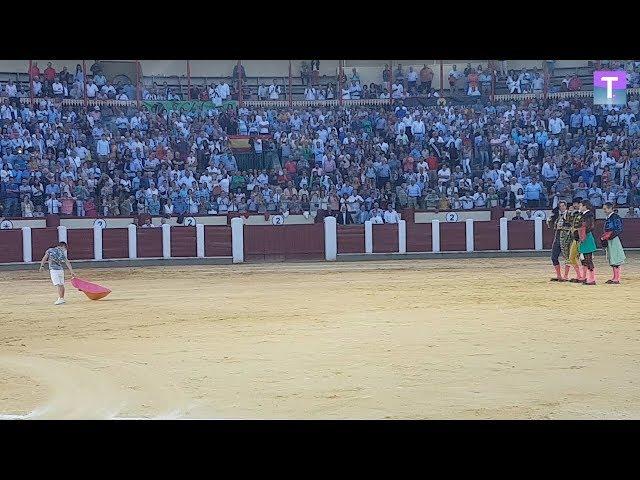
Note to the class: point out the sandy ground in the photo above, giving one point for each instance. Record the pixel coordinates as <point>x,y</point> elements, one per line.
<point>430,339</point>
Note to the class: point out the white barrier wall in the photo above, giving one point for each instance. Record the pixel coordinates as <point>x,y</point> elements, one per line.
<point>166,241</point>
<point>200,240</point>
<point>27,255</point>
<point>330,238</point>
<point>538,233</point>
<point>97,242</point>
<point>504,234</point>
<point>368,237</point>
<point>62,234</point>
<point>402,236</point>
<point>237,239</point>
<point>469,234</point>
<point>435,235</point>
<point>133,241</point>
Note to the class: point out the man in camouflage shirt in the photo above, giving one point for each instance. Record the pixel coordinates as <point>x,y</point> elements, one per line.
<point>57,258</point>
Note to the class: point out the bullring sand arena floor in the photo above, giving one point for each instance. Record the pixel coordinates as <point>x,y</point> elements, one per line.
<point>424,339</point>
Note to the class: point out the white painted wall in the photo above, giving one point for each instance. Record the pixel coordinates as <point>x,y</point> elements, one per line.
<point>124,222</point>
<point>290,220</point>
<point>427,217</point>
<point>36,223</point>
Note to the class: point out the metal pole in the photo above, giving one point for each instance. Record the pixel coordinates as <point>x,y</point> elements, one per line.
<point>240,79</point>
<point>290,95</point>
<point>138,93</point>
<point>390,81</point>
<point>340,83</point>
<point>441,78</point>
<point>189,79</point>
<point>30,81</point>
<point>84,86</point>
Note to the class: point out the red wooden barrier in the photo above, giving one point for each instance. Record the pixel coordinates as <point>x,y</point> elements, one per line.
<point>521,235</point>
<point>304,241</point>
<point>217,241</point>
<point>350,238</point>
<point>419,237</point>
<point>598,229</point>
<point>547,236</point>
<point>80,243</point>
<point>11,246</point>
<point>52,221</point>
<point>183,242</point>
<point>149,242</point>
<point>41,240</point>
<point>115,243</point>
<point>385,238</point>
<point>486,235</point>
<point>278,243</point>
<point>630,236</point>
<point>260,239</point>
<point>453,236</point>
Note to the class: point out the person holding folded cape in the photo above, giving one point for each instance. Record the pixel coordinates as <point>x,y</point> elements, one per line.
<point>587,246</point>
<point>559,224</point>
<point>573,243</point>
<point>611,241</point>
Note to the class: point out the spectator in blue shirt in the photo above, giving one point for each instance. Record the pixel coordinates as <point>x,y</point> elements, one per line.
<point>52,188</point>
<point>12,203</point>
<point>413,193</point>
<point>180,205</point>
<point>532,193</point>
<point>363,215</point>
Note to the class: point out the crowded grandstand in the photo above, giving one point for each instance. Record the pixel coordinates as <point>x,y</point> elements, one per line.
<point>84,141</point>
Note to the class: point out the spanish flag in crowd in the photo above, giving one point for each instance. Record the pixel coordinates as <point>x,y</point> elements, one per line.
<point>241,143</point>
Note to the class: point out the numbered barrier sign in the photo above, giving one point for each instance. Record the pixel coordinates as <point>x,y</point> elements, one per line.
<point>100,223</point>
<point>452,217</point>
<point>189,222</point>
<point>6,225</point>
<point>277,220</point>
<point>539,214</point>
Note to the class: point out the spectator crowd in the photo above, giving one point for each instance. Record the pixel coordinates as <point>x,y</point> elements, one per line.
<point>366,161</point>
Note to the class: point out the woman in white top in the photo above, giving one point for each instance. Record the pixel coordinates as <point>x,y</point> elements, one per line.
<point>27,207</point>
<point>53,205</point>
<point>513,83</point>
<point>473,91</point>
<point>480,198</point>
<point>262,92</point>
<point>624,168</point>
<point>274,91</point>
<point>58,89</point>
<point>444,174</point>
<point>193,203</point>
<point>168,207</point>
<point>310,93</point>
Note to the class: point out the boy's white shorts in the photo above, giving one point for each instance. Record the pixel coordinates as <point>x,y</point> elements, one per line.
<point>57,277</point>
